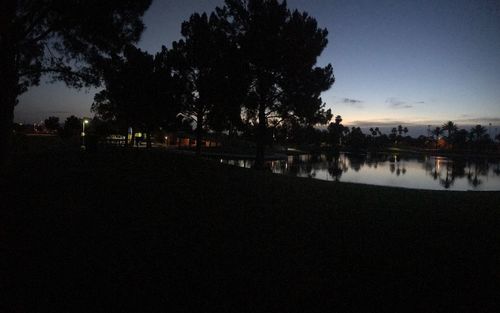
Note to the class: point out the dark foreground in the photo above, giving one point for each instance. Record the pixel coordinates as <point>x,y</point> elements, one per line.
<point>140,231</point>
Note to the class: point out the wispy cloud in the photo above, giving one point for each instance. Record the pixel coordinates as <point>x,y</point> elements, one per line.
<point>462,122</point>
<point>380,123</point>
<point>398,104</point>
<point>58,112</point>
<point>353,102</point>
<point>479,120</point>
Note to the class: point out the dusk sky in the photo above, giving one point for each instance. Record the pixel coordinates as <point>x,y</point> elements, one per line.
<point>412,62</point>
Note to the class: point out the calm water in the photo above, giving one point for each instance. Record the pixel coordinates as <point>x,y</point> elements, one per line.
<point>424,172</point>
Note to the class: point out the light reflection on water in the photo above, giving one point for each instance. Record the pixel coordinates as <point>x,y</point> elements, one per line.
<point>419,172</point>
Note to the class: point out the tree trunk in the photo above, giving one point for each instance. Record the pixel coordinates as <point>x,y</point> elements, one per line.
<point>148,140</point>
<point>199,133</point>
<point>261,138</point>
<point>9,86</point>
<point>7,104</point>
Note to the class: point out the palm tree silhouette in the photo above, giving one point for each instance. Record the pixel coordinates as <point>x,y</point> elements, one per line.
<point>437,132</point>
<point>400,130</point>
<point>473,178</point>
<point>449,180</point>
<point>478,132</point>
<point>497,170</point>
<point>405,130</point>
<point>450,127</point>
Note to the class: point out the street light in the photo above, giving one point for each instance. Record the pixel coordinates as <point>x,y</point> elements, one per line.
<point>83,133</point>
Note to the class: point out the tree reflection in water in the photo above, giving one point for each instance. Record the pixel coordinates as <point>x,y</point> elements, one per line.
<point>356,161</point>
<point>448,170</point>
<point>397,165</point>
<point>481,168</point>
<point>449,179</point>
<point>336,167</point>
<point>427,172</point>
<point>497,169</point>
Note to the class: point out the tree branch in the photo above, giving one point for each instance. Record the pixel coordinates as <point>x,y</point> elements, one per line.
<point>54,70</point>
<point>42,14</point>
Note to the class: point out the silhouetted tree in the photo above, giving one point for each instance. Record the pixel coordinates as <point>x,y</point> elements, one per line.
<point>356,139</point>
<point>478,132</point>
<point>65,39</point>
<point>336,132</point>
<point>479,136</point>
<point>100,128</point>
<point>405,130</point>
<point>72,127</point>
<point>281,48</point>
<point>52,123</point>
<point>230,79</point>
<point>213,71</point>
<point>140,92</point>
<point>436,132</point>
<point>459,138</point>
<point>451,128</point>
<point>394,134</point>
<point>400,130</point>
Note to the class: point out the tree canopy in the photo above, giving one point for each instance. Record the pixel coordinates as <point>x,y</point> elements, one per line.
<point>281,48</point>
<point>141,91</point>
<point>67,40</point>
<point>212,72</point>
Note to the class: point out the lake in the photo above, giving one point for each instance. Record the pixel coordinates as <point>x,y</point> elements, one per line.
<point>418,172</point>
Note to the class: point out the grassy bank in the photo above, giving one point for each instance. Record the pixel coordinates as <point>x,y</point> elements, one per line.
<point>135,231</point>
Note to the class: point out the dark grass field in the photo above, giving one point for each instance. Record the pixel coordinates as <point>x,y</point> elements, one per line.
<point>136,231</point>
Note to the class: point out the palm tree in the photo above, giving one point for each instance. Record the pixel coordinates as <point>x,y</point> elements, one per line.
<point>400,130</point>
<point>437,132</point>
<point>450,127</point>
<point>478,131</point>
<point>394,134</point>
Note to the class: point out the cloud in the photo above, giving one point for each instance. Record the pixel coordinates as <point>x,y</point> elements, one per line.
<point>59,112</point>
<point>380,123</point>
<point>462,122</point>
<point>398,104</point>
<point>420,102</point>
<point>353,102</point>
<point>479,120</point>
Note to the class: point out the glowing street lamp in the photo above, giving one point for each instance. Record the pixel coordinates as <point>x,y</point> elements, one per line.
<point>84,122</point>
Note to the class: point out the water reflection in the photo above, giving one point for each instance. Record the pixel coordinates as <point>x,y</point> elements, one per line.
<point>421,172</point>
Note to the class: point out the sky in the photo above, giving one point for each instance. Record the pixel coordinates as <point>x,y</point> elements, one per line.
<point>420,62</point>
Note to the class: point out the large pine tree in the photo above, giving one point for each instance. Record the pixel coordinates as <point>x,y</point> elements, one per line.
<point>281,48</point>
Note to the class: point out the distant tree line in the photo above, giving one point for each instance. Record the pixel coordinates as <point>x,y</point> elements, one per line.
<point>448,136</point>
